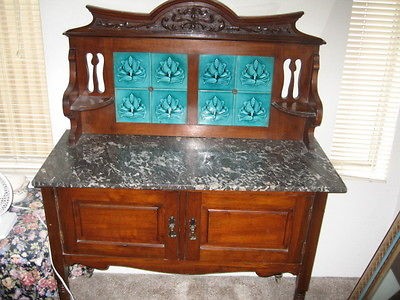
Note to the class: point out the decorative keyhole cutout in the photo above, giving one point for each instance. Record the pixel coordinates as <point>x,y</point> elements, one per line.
<point>296,81</point>
<point>287,74</point>
<point>90,85</point>
<point>100,74</point>
<point>95,68</point>
<point>291,78</point>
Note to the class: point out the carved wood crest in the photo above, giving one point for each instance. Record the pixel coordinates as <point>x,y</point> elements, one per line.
<point>195,19</point>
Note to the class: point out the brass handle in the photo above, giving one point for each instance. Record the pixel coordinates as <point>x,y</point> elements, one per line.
<point>192,228</point>
<point>171,227</point>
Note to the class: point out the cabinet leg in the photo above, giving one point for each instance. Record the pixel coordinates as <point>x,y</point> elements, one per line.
<point>302,285</point>
<point>304,276</point>
<point>299,295</point>
<point>62,292</point>
<point>51,209</point>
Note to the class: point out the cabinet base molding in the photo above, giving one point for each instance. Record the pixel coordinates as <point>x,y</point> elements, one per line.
<point>179,267</point>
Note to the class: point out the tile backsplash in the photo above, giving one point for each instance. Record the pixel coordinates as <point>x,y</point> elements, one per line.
<point>232,90</point>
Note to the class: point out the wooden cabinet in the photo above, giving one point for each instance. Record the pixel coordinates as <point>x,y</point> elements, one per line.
<point>187,232</point>
<point>237,230</point>
<point>199,155</point>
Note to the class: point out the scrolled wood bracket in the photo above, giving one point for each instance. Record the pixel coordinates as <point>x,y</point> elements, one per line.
<point>316,105</point>
<point>71,93</point>
<point>69,97</point>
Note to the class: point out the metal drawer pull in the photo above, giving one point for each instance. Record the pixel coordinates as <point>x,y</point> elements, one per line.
<point>192,228</point>
<point>171,227</point>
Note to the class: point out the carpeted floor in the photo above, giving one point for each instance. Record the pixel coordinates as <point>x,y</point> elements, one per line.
<point>144,286</point>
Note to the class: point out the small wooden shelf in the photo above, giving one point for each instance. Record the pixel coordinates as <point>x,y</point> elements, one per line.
<point>85,102</point>
<point>294,108</point>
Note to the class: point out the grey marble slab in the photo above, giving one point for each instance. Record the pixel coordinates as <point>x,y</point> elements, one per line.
<point>184,163</point>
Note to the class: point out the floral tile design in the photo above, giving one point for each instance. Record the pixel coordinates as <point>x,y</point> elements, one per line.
<point>25,269</point>
<point>252,109</point>
<point>132,105</point>
<point>131,70</point>
<point>217,72</point>
<point>169,107</point>
<point>216,108</point>
<point>141,78</point>
<point>235,90</point>
<point>255,73</point>
<point>169,71</point>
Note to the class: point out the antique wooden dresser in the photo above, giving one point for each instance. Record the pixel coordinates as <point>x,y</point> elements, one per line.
<point>191,148</point>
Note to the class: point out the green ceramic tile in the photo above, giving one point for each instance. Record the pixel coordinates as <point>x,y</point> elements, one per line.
<point>217,72</point>
<point>169,71</point>
<point>215,108</point>
<point>254,73</point>
<point>132,106</point>
<point>252,109</point>
<point>131,70</point>
<point>169,107</point>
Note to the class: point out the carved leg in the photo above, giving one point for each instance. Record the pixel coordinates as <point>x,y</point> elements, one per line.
<point>62,292</point>
<point>304,276</point>
<point>299,295</point>
<point>50,206</point>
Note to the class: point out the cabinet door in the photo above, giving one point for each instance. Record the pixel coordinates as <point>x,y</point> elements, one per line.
<point>119,222</point>
<point>247,227</point>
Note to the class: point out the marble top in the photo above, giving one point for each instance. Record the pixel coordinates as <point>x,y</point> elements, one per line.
<point>188,163</point>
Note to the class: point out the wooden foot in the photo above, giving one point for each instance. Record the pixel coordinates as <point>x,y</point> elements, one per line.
<point>62,292</point>
<point>299,295</point>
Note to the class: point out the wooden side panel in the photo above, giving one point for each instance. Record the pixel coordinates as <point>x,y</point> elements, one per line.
<point>118,222</point>
<point>253,227</point>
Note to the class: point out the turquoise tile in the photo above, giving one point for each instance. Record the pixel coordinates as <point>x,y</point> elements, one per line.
<point>217,72</point>
<point>254,73</point>
<point>132,106</point>
<point>169,107</point>
<point>215,108</point>
<point>252,109</point>
<point>131,69</point>
<point>169,71</point>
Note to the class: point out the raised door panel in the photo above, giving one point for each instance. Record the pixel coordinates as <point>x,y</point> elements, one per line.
<point>98,222</point>
<point>248,227</point>
<point>119,222</point>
